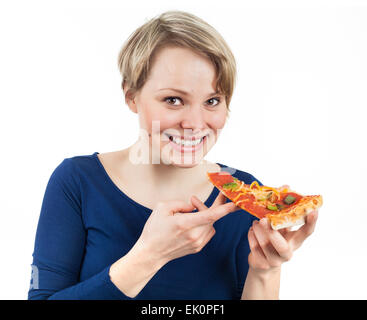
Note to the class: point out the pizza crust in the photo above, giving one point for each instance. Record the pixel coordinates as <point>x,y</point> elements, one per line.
<point>295,215</point>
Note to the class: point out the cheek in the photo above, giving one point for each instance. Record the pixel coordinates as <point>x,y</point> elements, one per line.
<point>147,115</point>
<point>155,120</point>
<point>218,119</point>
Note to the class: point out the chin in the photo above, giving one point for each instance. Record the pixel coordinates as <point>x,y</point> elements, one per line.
<point>185,165</point>
<point>180,162</point>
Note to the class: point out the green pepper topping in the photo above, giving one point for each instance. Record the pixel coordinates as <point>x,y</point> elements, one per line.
<point>289,199</point>
<point>272,207</point>
<point>280,206</point>
<point>230,186</point>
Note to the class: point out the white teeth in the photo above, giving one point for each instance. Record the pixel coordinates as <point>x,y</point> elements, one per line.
<point>186,142</point>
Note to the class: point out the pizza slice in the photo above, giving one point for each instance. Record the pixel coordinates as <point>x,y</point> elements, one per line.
<point>281,206</point>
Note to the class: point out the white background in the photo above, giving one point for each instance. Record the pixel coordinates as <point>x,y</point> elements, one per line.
<point>298,116</point>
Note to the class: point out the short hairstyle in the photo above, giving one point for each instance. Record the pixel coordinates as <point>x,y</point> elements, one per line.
<point>182,29</point>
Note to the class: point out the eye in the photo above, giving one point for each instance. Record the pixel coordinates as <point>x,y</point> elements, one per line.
<point>212,100</point>
<point>172,100</point>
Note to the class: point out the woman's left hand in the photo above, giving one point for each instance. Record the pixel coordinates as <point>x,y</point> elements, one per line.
<point>270,248</point>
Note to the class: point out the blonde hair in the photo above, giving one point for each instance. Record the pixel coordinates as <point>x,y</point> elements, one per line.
<point>176,28</point>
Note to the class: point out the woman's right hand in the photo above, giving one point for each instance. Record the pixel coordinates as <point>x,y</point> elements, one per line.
<point>173,230</point>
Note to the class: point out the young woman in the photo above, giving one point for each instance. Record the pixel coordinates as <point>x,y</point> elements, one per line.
<point>145,222</point>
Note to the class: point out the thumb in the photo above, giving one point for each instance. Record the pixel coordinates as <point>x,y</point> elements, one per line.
<point>284,188</point>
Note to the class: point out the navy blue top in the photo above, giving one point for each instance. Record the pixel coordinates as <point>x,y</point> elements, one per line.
<point>87,223</point>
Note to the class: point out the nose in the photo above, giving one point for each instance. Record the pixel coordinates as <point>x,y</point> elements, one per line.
<point>194,119</point>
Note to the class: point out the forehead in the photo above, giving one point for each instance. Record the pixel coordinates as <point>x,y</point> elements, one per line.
<point>183,68</point>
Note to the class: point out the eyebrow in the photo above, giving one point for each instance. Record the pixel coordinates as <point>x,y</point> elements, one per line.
<point>184,92</point>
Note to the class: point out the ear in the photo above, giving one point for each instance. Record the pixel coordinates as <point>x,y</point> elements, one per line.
<point>130,97</point>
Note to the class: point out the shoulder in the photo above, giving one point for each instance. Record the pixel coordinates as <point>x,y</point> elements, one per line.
<point>79,162</point>
<point>244,176</point>
<point>71,168</point>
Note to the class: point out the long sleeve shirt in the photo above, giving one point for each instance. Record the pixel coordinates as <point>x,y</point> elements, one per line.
<point>87,223</point>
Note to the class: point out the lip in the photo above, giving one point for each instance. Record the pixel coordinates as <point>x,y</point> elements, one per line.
<point>183,149</point>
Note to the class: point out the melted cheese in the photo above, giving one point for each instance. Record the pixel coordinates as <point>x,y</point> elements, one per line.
<point>260,193</point>
<point>237,197</point>
<point>244,200</point>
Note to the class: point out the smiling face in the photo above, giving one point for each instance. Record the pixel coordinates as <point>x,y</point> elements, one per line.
<point>179,108</point>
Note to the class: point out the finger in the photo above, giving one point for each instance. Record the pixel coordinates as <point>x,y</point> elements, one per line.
<point>173,206</point>
<point>254,244</point>
<point>257,254</point>
<point>198,203</point>
<point>284,186</point>
<point>211,215</point>
<point>263,240</point>
<point>220,199</point>
<point>285,231</point>
<point>267,239</point>
<point>306,230</point>
<point>280,244</point>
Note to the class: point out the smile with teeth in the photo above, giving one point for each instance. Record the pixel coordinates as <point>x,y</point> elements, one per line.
<point>185,142</point>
